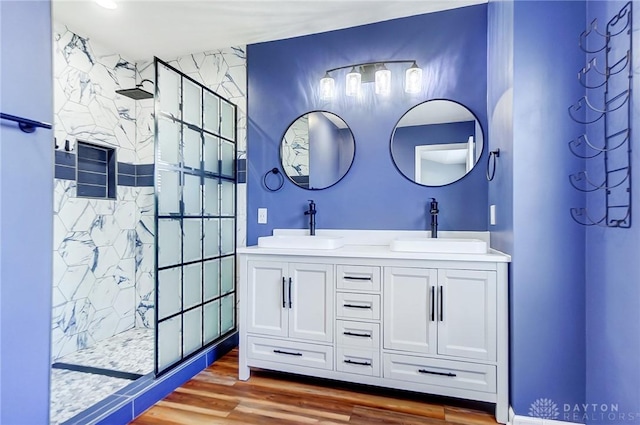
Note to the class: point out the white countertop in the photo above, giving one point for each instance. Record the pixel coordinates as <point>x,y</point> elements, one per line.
<point>375,244</point>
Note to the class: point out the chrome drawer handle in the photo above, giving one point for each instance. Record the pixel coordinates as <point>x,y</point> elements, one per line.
<point>436,373</point>
<point>356,334</point>
<point>287,353</point>
<point>357,306</point>
<point>357,278</point>
<point>358,363</point>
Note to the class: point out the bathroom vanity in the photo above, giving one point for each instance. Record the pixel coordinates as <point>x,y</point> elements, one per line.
<point>379,308</point>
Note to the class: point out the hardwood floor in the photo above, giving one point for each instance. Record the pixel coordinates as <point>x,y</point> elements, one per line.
<point>216,396</point>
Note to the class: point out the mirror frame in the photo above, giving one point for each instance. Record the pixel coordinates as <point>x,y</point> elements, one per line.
<point>395,127</point>
<point>353,139</point>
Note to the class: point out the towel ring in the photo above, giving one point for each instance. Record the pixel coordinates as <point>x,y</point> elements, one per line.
<point>279,174</point>
<point>491,165</point>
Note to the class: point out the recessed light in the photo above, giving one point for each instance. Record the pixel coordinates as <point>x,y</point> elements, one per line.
<point>107,4</point>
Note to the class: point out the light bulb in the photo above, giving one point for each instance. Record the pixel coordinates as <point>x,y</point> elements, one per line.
<point>327,86</point>
<point>413,79</point>
<point>352,83</point>
<point>383,81</point>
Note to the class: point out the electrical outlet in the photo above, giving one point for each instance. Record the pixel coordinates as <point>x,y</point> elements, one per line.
<point>262,216</point>
<point>492,215</point>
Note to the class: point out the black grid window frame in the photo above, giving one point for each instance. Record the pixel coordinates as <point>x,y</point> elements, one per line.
<point>202,174</point>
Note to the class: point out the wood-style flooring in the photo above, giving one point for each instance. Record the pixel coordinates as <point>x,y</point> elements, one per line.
<point>216,396</point>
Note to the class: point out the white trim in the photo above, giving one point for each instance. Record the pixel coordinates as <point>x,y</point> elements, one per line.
<point>529,420</point>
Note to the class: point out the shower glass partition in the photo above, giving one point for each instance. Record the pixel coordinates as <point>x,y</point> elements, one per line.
<point>195,186</point>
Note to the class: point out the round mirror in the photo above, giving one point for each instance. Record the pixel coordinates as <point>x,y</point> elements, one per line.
<point>436,142</point>
<point>317,150</point>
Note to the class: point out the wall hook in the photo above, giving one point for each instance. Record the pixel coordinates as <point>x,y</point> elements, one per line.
<point>491,166</point>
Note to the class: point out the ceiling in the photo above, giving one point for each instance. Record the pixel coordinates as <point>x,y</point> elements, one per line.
<point>141,29</point>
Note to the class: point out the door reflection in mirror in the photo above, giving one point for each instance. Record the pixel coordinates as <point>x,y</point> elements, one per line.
<point>317,150</point>
<point>436,143</point>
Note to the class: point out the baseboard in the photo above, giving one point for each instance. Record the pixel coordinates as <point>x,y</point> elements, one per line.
<point>530,420</point>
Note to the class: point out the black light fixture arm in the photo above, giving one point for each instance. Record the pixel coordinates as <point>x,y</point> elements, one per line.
<point>369,63</point>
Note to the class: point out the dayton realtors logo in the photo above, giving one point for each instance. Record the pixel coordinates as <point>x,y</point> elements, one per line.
<point>545,408</point>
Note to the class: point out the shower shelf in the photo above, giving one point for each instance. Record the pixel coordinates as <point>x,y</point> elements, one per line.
<point>606,111</point>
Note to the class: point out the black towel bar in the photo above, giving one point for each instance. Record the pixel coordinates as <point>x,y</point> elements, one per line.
<point>25,124</point>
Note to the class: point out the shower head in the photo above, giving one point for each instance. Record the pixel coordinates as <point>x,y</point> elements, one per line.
<point>137,93</point>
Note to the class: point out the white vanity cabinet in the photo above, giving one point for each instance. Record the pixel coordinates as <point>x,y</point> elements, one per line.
<point>435,324</point>
<point>291,300</point>
<point>445,312</point>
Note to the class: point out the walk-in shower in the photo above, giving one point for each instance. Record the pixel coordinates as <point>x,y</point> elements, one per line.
<point>144,276</point>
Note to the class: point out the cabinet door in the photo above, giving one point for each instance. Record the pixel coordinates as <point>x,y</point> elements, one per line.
<point>409,314</point>
<point>467,314</point>
<point>311,309</point>
<point>266,303</point>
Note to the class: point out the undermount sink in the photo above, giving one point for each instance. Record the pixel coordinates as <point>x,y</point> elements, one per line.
<point>301,242</point>
<point>440,245</point>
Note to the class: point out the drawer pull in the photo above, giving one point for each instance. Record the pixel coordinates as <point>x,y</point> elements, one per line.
<point>287,353</point>
<point>356,334</point>
<point>357,306</point>
<point>436,373</point>
<point>357,278</point>
<point>358,363</point>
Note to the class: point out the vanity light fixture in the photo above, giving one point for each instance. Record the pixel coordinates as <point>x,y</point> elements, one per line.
<point>327,86</point>
<point>353,82</point>
<point>383,81</point>
<point>413,79</point>
<point>371,72</point>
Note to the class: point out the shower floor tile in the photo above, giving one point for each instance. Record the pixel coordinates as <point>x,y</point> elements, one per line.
<point>130,351</point>
<point>73,392</point>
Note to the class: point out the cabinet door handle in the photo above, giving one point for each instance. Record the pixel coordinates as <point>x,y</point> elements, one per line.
<point>287,353</point>
<point>357,306</point>
<point>436,373</point>
<point>284,297</point>
<point>441,303</point>
<point>358,363</point>
<point>363,335</point>
<point>357,278</point>
<point>290,303</point>
<point>432,306</point>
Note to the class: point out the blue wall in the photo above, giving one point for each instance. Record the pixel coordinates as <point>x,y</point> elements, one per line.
<point>613,273</point>
<point>548,293</point>
<point>405,140</point>
<point>283,79</point>
<point>26,211</point>
<point>547,289</point>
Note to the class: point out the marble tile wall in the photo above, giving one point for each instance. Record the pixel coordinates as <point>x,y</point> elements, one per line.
<point>103,249</point>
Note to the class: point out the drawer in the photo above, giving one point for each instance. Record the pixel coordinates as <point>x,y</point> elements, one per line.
<point>360,362</point>
<point>358,306</point>
<point>293,353</point>
<point>446,373</point>
<point>358,334</point>
<point>358,278</point>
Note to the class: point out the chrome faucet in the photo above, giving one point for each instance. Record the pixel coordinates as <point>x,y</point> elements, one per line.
<point>433,210</point>
<point>311,212</point>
